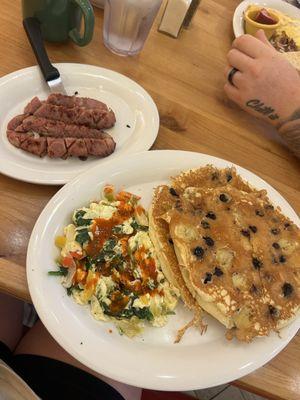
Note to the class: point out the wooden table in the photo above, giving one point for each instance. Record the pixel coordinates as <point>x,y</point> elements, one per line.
<point>185,78</point>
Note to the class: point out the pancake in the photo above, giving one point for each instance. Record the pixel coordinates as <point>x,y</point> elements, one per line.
<point>209,177</point>
<point>162,202</point>
<point>224,242</point>
<point>166,199</point>
<point>228,250</point>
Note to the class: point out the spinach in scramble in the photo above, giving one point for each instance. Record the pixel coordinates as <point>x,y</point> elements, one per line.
<point>107,260</point>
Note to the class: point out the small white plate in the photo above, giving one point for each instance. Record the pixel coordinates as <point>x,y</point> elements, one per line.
<point>135,130</point>
<point>151,361</point>
<point>282,6</point>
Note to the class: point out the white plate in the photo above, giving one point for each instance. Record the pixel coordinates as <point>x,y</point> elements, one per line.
<point>131,103</point>
<point>152,360</point>
<point>282,6</point>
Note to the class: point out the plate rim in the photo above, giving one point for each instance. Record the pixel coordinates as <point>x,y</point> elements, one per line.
<point>57,180</point>
<point>242,6</point>
<point>157,383</point>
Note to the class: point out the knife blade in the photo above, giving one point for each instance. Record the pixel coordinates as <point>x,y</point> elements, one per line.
<point>50,73</point>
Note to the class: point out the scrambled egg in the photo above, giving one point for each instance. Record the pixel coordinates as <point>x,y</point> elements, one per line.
<point>108,261</point>
<point>291,26</point>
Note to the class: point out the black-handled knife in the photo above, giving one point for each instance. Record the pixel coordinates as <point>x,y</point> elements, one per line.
<point>51,74</point>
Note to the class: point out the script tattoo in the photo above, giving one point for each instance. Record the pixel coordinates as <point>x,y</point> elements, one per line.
<point>261,108</point>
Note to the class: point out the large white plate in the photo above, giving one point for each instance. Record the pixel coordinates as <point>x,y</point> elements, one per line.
<point>151,361</point>
<point>135,130</point>
<point>282,6</point>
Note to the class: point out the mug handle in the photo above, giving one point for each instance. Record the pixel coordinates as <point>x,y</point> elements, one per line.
<point>89,20</point>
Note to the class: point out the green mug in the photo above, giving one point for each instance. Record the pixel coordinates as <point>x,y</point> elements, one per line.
<point>61,19</point>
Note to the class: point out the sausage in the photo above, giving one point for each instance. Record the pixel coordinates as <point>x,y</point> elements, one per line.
<point>62,147</point>
<point>62,127</point>
<point>32,106</point>
<point>59,99</point>
<point>93,118</point>
<point>52,128</point>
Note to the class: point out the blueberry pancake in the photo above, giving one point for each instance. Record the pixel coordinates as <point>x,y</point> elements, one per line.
<point>275,243</point>
<point>209,177</point>
<point>223,242</point>
<point>238,256</point>
<point>184,190</point>
<point>163,201</point>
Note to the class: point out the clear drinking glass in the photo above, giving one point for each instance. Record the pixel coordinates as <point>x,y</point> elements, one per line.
<point>127,24</point>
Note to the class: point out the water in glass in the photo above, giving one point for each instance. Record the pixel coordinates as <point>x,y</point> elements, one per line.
<point>127,24</point>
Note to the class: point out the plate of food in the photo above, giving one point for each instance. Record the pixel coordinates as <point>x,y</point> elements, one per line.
<point>279,19</point>
<point>51,138</point>
<point>168,270</point>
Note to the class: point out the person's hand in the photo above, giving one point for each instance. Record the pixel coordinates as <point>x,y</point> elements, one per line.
<point>265,85</point>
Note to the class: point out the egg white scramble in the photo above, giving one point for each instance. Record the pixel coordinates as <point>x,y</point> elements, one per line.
<point>107,260</point>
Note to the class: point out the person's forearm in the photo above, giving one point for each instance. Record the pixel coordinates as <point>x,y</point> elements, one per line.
<point>289,131</point>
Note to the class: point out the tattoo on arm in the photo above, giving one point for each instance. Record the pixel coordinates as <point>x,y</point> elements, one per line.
<point>289,130</point>
<point>294,116</point>
<point>261,108</point>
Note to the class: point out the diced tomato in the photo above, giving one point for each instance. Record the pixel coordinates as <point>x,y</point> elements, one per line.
<point>68,262</point>
<point>76,255</point>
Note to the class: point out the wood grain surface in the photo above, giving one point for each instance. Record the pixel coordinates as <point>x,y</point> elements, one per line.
<point>185,78</point>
